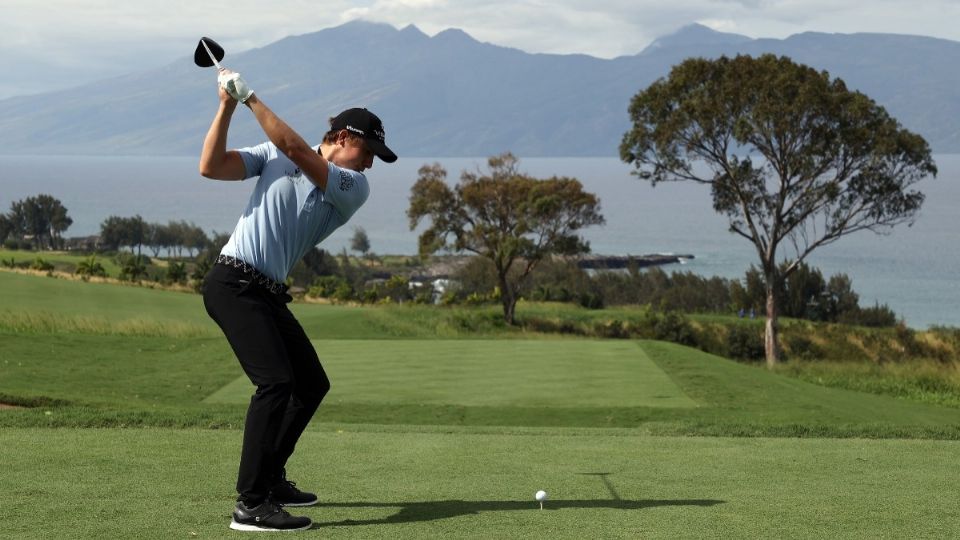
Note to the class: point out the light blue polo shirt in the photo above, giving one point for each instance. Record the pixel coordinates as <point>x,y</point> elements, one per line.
<point>287,214</point>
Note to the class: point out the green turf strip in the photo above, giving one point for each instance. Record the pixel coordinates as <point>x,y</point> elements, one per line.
<point>76,380</point>
<point>488,373</point>
<point>373,483</point>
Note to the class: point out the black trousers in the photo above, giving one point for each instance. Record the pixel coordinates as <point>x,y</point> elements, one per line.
<point>277,356</point>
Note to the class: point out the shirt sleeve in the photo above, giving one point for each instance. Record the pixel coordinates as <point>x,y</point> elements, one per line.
<point>346,190</point>
<point>254,158</point>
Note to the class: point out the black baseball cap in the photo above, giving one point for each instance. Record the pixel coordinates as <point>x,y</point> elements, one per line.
<point>367,125</point>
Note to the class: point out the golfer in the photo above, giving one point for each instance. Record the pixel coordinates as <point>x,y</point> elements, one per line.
<point>302,194</point>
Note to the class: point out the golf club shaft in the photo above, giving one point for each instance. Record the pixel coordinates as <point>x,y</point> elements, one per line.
<point>212,57</point>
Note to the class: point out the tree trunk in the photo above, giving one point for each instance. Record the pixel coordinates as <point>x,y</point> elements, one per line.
<point>509,307</point>
<point>508,299</point>
<point>771,342</point>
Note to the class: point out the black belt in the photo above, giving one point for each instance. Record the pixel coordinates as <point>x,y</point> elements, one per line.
<point>257,276</point>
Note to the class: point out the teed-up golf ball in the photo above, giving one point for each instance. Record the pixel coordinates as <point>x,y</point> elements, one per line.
<point>541,496</point>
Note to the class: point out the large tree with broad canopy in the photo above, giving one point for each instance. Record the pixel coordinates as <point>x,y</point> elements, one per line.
<point>793,157</point>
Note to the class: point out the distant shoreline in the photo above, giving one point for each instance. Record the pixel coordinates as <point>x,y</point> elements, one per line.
<point>616,262</point>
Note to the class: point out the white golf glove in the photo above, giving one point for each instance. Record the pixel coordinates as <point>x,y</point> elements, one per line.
<point>234,84</point>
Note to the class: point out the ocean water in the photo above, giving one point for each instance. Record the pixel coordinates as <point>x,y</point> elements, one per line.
<point>913,269</point>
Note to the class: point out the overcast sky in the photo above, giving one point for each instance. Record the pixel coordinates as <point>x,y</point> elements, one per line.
<point>54,44</point>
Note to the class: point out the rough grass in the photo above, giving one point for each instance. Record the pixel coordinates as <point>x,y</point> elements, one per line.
<point>50,323</point>
<point>928,381</point>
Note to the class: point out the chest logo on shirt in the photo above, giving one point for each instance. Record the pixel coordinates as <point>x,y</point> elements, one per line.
<point>311,200</point>
<point>346,181</point>
<point>295,174</point>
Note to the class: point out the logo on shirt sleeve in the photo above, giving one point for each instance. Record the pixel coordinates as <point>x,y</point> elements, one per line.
<point>346,181</point>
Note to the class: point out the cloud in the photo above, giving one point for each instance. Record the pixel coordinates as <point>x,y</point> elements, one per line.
<point>601,28</point>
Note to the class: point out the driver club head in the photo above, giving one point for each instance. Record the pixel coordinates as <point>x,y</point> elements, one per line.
<point>202,56</point>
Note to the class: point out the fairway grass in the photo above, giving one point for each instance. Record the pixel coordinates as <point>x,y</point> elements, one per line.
<point>383,483</point>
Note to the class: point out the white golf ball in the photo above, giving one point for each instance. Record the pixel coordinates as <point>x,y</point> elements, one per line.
<point>541,496</point>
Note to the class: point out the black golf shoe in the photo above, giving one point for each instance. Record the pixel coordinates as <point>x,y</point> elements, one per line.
<point>286,493</point>
<point>268,516</point>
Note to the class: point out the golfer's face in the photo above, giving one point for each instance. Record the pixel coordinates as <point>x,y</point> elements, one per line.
<point>356,155</point>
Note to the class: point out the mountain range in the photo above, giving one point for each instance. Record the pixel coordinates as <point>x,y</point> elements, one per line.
<point>452,95</point>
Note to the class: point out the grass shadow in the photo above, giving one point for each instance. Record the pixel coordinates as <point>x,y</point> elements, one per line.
<point>434,510</point>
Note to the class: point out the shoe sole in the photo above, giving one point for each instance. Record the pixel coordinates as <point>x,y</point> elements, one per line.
<point>256,528</point>
<point>309,503</point>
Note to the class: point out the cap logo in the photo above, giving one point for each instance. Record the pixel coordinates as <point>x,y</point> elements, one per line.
<point>355,130</point>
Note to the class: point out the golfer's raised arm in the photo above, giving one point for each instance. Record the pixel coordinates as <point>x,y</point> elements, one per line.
<point>215,161</point>
<point>290,143</point>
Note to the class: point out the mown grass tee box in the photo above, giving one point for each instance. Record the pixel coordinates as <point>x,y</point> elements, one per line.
<point>536,373</point>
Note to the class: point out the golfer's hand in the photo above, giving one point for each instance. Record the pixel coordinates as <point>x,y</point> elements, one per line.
<point>226,98</point>
<point>234,85</point>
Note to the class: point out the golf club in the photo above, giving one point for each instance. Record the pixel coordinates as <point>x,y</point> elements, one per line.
<point>208,53</point>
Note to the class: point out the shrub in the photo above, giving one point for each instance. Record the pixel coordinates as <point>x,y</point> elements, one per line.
<point>343,293</point>
<point>591,300</point>
<point>948,335</point>
<point>397,289</point>
<point>132,267</point>
<point>424,296</point>
<point>200,272</point>
<point>907,338</point>
<point>612,329</point>
<point>478,298</point>
<point>548,326</point>
<point>745,343</point>
<point>803,348</point>
<point>370,295</point>
<point>477,276</point>
<point>176,273</point>
<point>41,265</point>
<point>674,327</point>
<point>474,321</point>
<point>449,298</point>
<point>326,286</point>
<point>547,293</point>
<point>558,280</point>
<point>878,316</point>
<point>90,267</point>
